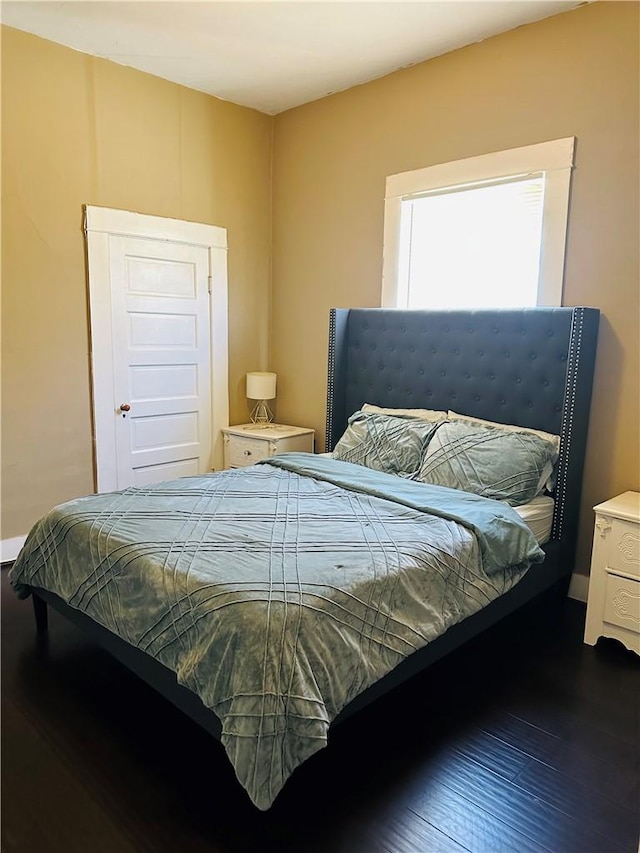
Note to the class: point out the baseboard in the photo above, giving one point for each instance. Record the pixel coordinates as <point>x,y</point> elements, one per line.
<point>10,548</point>
<point>579,587</point>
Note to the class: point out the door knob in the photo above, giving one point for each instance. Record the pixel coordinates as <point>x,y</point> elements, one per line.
<point>124,407</point>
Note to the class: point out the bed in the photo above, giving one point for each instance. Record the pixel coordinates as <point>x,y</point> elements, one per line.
<point>357,578</point>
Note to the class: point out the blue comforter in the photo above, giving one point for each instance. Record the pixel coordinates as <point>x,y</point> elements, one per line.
<point>278,592</point>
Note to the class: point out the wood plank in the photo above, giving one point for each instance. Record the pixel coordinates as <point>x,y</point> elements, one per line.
<point>492,753</point>
<point>614,711</point>
<point>579,740</point>
<point>517,733</point>
<point>596,812</point>
<point>538,821</point>
<point>465,822</point>
<point>407,832</point>
<point>45,806</point>
<point>621,783</point>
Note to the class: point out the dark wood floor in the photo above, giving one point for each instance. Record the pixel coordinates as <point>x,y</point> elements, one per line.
<point>516,744</point>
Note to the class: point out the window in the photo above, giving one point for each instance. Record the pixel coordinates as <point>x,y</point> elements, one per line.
<point>486,232</point>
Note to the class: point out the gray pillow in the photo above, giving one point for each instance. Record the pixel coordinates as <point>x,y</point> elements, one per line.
<point>386,443</point>
<point>494,463</point>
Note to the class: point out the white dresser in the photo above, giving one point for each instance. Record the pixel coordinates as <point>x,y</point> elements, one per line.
<point>613,608</point>
<point>247,444</point>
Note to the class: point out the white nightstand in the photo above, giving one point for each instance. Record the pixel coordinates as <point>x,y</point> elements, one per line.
<point>246,444</point>
<point>613,608</point>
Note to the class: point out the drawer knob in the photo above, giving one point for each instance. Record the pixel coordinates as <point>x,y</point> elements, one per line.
<point>247,453</point>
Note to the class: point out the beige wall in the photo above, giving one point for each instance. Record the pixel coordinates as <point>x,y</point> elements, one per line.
<point>572,75</point>
<point>78,130</point>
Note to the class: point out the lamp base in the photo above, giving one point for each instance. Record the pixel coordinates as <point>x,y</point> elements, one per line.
<point>261,414</point>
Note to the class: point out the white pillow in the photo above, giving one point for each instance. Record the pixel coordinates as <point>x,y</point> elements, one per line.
<point>430,415</point>
<point>547,436</point>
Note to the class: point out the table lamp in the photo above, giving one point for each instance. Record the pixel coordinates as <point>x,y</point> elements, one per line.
<point>261,386</point>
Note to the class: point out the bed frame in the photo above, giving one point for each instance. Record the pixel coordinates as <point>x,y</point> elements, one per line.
<point>531,367</point>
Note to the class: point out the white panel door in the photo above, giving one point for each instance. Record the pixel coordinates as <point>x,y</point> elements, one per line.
<point>161,359</point>
<point>159,346</point>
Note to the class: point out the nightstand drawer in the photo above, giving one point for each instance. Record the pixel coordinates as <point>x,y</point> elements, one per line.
<point>246,451</point>
<point>622,602</point>
<point>246,444</point>
<point>623,549</point>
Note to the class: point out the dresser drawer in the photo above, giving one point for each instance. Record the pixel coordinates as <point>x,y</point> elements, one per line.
<point>623,546</point>
<point>245,451</point>
<point>622,602</point>
<point>613,606</point>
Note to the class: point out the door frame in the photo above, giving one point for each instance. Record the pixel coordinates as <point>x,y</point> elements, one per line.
<point>100,223</point>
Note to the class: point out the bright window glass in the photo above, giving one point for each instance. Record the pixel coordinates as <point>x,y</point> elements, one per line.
<point>473,246</point>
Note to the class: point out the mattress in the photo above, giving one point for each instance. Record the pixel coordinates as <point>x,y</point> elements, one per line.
<point>538,516</point>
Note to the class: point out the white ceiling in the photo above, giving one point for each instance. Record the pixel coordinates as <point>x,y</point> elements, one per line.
<point>272,55</point>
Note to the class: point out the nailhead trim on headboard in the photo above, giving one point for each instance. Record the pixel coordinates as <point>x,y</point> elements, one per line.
<point>568,417</point>
<point>330,379</point>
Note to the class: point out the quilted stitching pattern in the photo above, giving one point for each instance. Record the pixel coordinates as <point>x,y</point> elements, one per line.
<point>275,597</point>
<point>494,463</point>
<point>385,443</point>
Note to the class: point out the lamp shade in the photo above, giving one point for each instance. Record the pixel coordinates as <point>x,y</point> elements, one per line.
<point>261,386</point>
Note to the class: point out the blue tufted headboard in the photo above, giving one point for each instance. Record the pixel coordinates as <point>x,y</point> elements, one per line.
<point>532,367</point>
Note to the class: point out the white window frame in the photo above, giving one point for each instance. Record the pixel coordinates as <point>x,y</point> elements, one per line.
<point>553,158</point>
